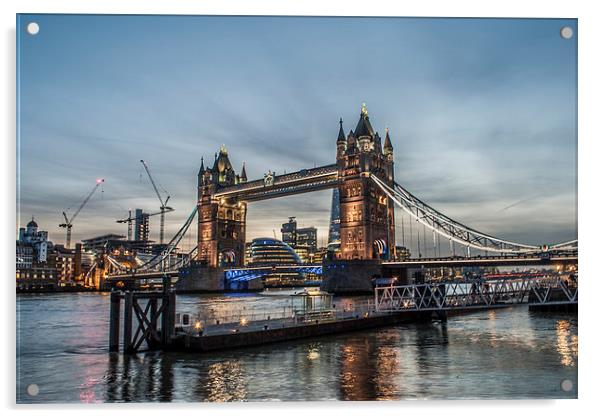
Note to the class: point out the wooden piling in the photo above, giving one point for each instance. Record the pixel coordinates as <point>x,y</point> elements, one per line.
<point>164,321</point>
<point>141,321</point>
<point>172,313</point>
<point>114,317</point>
<point>127,321</point>
<point>441,315</point>
<point>168,317</point>
<point>153,323</point>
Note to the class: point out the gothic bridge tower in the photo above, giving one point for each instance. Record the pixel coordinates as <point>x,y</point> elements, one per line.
<point>367,223</point>
<point>221,222</point>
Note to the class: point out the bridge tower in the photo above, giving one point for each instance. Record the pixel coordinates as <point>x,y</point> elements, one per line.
<point>221,222</point>
<point>367,225</point>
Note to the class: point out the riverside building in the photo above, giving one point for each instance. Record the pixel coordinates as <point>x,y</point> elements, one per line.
<point>269,252</point>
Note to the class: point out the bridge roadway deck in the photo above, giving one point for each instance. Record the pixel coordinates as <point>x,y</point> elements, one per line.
<point>142,275</point>
<point>482,262</point>
<point>509,261</point>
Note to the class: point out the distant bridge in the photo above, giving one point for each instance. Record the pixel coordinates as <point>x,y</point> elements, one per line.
<point>143,275</point>
<point>243,274</point>
<point>487,261</point>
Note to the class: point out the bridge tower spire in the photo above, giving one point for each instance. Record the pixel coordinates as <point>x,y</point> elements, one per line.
<point>243,174</point>
<point>388,148</point>
<point>221,222</point>
<point>364,131</point>
<point>201,171</point>
<point>341,141</point>
<point>367,225</point>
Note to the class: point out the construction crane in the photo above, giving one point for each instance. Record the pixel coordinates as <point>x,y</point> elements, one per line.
<point>164,208</point>
<point>131,219</point>
<point>69,221</point>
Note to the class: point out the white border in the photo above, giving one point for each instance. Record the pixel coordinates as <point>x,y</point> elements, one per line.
<point>589,173</point>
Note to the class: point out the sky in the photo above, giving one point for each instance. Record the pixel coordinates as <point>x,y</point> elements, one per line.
<point>481,112</point>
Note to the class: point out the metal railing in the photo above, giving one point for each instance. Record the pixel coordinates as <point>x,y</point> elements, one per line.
<point>475,294</point>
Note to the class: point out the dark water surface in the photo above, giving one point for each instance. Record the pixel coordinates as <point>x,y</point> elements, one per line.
<point>509,353</point>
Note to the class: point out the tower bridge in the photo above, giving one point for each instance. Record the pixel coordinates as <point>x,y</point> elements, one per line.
<point>367,215</point>
<point>272,185</point>
<point>368,196</point>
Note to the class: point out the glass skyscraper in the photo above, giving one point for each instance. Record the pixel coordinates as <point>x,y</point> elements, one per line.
<point>334,232</point>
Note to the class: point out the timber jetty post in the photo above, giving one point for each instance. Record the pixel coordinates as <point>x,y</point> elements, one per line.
<point>142,314</point>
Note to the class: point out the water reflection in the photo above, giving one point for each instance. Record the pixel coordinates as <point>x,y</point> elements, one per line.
<point>507,354</point>
<point>566,343</point>
<point>412,362</point>
<point>226,382</point>
<point>357,368</point>
<point>387,373</point>
<point>87,394</point>
<point>139,377</point>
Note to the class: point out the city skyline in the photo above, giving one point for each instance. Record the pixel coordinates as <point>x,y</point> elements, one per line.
<point>482,122</point>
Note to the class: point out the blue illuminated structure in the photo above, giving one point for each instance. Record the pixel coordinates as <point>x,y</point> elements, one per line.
<point>275,262</point>
<point>250,273</point>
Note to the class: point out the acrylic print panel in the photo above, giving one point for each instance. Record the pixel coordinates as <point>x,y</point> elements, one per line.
<point>219,208</point>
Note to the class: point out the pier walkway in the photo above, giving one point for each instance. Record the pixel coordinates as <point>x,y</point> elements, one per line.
<point>156,323</point>
<point>467,294</point>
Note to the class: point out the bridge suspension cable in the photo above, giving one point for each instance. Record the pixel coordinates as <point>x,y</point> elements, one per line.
<point>171,245</point>
<point>569,245</point>
<point>403,232</point>
<point>453,230</point>
<point>183,261</point>
<point>158,260</point>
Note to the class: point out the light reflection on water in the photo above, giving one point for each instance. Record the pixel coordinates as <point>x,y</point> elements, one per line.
<point>510,353</point>
<point>226,382</point>
<point>566,342</point>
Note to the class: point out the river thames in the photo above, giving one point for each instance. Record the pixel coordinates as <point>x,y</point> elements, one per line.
<point>62,347</point>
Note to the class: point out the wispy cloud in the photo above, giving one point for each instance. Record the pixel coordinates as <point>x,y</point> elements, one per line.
<point>479,116</point>
<point>520,202</point>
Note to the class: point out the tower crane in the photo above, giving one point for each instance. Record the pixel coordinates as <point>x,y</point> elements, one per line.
<point>131,219</point>
<point>69,221</point>
<point>163,208</point>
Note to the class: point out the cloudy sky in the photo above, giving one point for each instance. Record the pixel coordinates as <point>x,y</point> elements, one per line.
<point>482,114</point>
